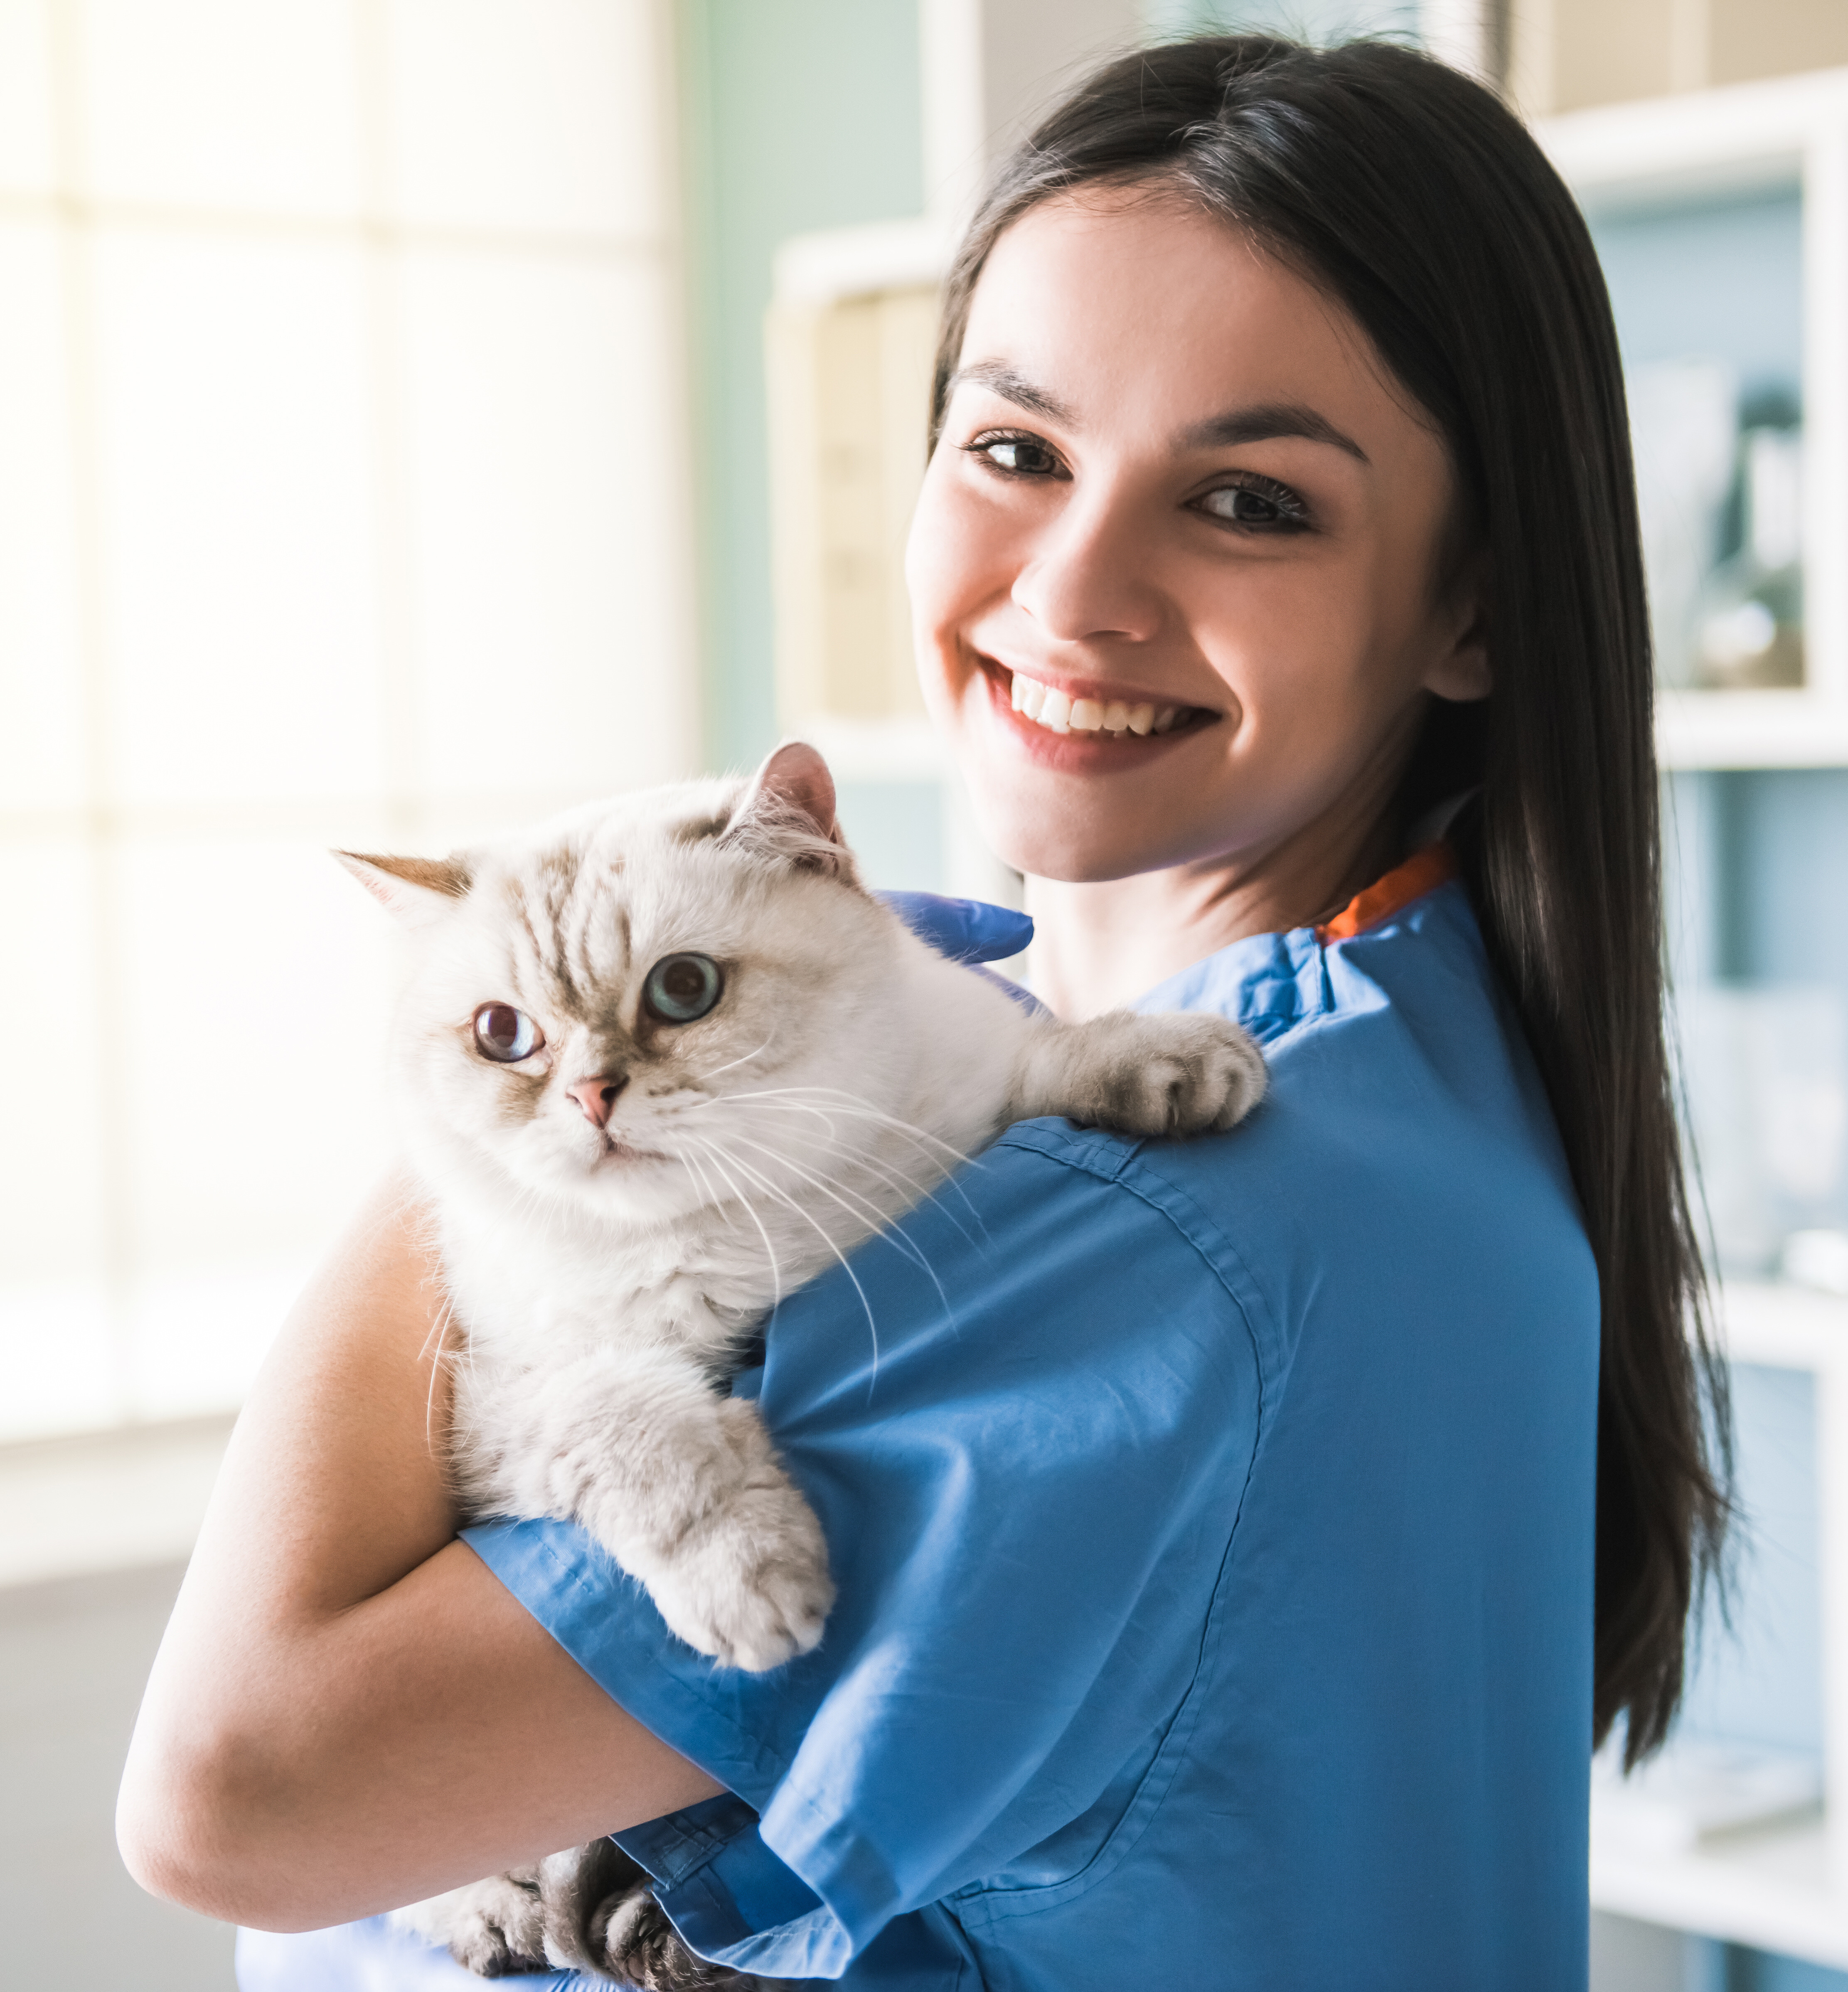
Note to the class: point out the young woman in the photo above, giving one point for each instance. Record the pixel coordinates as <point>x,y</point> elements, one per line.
<point>1236,1573</point>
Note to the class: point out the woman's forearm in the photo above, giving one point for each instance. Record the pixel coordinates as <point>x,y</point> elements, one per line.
<point>348,1712</point>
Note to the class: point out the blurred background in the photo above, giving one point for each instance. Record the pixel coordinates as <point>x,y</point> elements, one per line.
<point>416,415</point>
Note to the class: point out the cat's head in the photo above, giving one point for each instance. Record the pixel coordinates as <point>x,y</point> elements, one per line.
<point>626,1009</point>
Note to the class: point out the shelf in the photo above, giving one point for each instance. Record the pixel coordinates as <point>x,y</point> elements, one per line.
<point>1781,1887</point>
<point>1768,1887</point>
<point>1697,143</point>
<point>125,1499</point>
<point>1786,1328</point>
<point>1751,729</point>
<point>1704,147</point>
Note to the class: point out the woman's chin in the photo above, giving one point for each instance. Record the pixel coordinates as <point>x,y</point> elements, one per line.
<point>1069,808</point>
<point>1075,854</point>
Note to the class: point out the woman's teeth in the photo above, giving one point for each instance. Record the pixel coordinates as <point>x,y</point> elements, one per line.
<point>1059,714</point>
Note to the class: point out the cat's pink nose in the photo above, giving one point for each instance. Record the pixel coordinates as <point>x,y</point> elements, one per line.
<point>597,1096</point>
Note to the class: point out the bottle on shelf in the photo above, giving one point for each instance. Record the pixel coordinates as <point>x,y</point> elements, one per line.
<point>1750,627</point>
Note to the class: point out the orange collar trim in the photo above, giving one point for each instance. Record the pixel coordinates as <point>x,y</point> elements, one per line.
<point>1423,872</point>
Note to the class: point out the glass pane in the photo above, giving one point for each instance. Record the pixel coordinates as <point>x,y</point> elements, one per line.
<point>546,484</point>
<point>239,559</point>
<point>223,104</point>
<point>27,147</point>
<point>42,748</point>
<point>543,116</point>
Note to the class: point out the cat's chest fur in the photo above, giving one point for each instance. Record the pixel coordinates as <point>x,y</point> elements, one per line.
<point>531,1295</point>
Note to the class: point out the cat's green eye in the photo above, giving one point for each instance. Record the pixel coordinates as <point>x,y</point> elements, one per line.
<point>506,1035</point>
<point>681,987</point>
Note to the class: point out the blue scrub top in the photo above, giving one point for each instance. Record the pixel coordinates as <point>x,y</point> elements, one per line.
<point>1214,1539</point>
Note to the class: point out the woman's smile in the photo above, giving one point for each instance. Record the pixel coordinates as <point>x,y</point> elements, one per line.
<point>1061,720</point>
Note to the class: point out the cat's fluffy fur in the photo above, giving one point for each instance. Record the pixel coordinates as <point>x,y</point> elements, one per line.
<point>603,1279</point>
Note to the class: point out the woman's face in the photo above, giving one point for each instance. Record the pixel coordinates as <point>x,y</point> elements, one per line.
<point>1181,512</point>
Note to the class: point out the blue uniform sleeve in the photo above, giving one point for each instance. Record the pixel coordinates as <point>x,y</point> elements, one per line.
<point>1026,1430</point>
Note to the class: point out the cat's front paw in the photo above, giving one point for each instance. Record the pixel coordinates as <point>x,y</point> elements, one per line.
<point>638,1946</point>
<point>495,1928</point>
<point>751,1586</point>
<point>1184,1074</point>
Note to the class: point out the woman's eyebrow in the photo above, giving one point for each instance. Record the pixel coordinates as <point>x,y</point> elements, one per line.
<point>999,378</point>
<point>1261,424</point>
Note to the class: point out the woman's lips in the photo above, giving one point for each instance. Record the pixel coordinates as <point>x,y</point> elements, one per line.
<point>1084,728</point>
<point>1059,712</point>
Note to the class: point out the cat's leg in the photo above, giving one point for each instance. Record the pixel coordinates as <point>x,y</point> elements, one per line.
<point>684,1489</point>
<point>495,1928</point>
<point>601,1916</point>
<point>1179,1074</point>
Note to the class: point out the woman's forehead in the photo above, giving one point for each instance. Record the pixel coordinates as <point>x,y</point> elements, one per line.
<point>1132,307</point>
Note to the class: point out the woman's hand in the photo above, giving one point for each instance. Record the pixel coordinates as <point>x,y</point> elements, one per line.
<point>348,1712</point>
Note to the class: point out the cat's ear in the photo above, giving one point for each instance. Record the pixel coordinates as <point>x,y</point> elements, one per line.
<point>415,889</point>
<point>788,811</point>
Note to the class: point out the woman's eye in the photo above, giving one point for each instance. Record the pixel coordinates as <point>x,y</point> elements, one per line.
<point>1278,510</point>
<point>1025,456</point>
<point>506,1035</point>
<point>681,987</point>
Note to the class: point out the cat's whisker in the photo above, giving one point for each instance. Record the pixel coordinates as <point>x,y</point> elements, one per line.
<point>750,1211</point>
<point>770,1189</point>
<point>832,1144</point>
<point>709,1198</point>
<point>946,1178</point>
<point>858,1104</point>
<point>439,1330</point>
<point>838,1145</point>
<point>748,1055</point>
<point>857,1206</point>
<point>759,1104</point>
<point>884,1227</point>
<point>755,1100</point>
<point>921,1192</point>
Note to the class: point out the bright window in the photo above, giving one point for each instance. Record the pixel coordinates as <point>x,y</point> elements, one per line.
<point>342,501</point>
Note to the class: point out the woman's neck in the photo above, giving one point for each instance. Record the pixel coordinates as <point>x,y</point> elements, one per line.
<point>1098,946</point>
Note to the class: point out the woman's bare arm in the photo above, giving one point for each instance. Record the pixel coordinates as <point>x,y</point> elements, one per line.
<point>348,1712</point>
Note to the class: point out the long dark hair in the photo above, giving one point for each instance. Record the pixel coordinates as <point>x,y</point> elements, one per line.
<point>1414,196</point>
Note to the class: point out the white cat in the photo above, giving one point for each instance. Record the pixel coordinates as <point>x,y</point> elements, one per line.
<point>659,1062</point>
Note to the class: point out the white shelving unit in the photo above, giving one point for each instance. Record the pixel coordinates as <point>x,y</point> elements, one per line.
<point>1706,145</point>
<point>1781,1887</point>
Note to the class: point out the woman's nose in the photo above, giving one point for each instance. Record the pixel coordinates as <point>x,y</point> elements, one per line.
<point>1088,577</point>
<point>596,1097</point>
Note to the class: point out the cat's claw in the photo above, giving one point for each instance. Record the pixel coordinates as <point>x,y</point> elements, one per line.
<point>752,1590</point>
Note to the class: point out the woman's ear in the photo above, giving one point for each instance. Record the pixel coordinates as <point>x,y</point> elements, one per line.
<point>1460,670</point>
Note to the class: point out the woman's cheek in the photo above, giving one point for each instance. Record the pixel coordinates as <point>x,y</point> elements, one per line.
<point>930,564</point>
<point>956,562</point>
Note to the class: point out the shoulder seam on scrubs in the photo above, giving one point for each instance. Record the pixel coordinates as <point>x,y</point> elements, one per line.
<point>1203,1236</point>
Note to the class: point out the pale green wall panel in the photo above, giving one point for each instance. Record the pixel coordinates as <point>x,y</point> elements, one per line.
<point>797,114</point>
